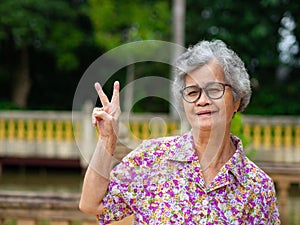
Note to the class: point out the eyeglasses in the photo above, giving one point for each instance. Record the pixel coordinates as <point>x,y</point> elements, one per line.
<point>213,90</point>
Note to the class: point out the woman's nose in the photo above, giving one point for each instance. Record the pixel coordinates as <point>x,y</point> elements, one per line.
<point>203,100</point>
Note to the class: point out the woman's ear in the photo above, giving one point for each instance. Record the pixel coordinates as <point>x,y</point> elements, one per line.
<point>237,106</point>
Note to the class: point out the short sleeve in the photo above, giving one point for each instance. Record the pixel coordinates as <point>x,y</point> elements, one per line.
<point>115,203</point>
<point>274,217</point>
<point>123,178</point>
<point>266,209</point>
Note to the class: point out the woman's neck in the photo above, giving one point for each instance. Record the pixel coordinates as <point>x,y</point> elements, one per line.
<point>213,148</point>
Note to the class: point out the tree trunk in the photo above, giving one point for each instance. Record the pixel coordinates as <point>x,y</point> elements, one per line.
<point>178,27</point>
<point>129,88</point>
<point>21,82</point>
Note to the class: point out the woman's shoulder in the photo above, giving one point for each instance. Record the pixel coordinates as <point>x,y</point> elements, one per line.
<point>153,148</point>
<point>256,176</point>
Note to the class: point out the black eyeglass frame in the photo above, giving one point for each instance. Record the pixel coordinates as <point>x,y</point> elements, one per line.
<point>205,90</point>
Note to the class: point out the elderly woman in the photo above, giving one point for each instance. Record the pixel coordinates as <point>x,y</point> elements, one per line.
<point>201,177</point>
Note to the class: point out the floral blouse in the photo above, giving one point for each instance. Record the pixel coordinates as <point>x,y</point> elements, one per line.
<point>161,183</point>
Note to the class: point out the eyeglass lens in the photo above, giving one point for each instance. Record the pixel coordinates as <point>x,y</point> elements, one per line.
<point>212,90</point>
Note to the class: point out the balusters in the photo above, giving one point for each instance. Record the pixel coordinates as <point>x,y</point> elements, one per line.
<point>21,130</point>
<point>11,129</point>
<point>277,136</point>
<point>172,127</point>
<point>288,137</point>
<point>256,136</point>
<point>40,130</point>
<point>280,134</point>
<point>135,130</point>
<point>267,137</point>
<point>59,130</point>
<point>247,130</point>
<point>145,130</point>
<point>297,137</point>
<point>49,130</point>
<point>68,131</point>
<point>30,130</point>
<point>2,129</point>
<point>155,130</point>
<point>297,143</point>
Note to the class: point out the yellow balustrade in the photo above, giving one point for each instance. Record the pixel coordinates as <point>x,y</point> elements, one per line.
<point>11,129</point>
<point>263,133</point>
<point>30,130</point>
<point>256,136</point>
<point>21,129</point>
<point>135,130</point>
<point>288,137</point>
<point>297,137</point>
<point>278,136</point>
<point>172,127</point>
<point>155,130</point>
<point>247,130</point>
<point>68,131</point>
<point>49,130</point>
<point>267,137</point>
<point>145,131</point>
<point>2,129</point>
<point>76,130</point>
<point>40,130</point>
<point>59,130</point>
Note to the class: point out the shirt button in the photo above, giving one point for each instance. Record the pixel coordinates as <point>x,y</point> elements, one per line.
<point>205,212</point>
<point>205,202</point>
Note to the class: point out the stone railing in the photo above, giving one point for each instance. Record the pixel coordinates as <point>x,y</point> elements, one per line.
<point>50,135</point>
<point>33,208</point>
<point>70,136</point>
<point>275,139</point>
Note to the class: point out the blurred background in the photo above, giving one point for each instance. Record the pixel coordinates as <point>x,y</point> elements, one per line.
<point>46,46</point>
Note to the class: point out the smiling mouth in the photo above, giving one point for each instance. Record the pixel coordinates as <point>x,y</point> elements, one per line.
<point>206,113</point>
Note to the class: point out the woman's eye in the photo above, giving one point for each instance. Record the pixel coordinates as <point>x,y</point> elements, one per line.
<point>192,93</point>
<point>213,90</point>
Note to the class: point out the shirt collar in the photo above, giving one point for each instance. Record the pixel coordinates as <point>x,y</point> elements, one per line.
<point>184,151</point>
<point>237,162</point>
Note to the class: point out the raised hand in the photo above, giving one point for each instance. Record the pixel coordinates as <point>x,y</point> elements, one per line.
<point>106,118</point>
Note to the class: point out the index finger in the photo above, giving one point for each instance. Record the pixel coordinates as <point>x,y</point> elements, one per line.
<point>116,93</point>
<point>103,98</point>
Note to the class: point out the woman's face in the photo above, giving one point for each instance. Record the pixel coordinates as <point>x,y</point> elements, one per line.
<point>206,113</point>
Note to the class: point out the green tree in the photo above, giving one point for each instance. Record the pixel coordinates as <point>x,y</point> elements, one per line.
<point>28,26</point>
<point>252,29</point>
<point>117,22</point>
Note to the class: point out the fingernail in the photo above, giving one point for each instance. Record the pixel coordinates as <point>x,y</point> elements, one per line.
<point>97,86</point>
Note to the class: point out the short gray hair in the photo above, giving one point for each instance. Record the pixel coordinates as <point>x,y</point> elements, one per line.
<point>202,53</point>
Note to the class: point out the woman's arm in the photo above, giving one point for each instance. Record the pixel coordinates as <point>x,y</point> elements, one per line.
<point>96,179</point>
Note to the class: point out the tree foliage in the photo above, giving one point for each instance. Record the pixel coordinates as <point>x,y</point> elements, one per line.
<point>46,40</point>
<point>117,22</point>
<point>28,26</point>
<point>43,25</point>
<point>252,29</point>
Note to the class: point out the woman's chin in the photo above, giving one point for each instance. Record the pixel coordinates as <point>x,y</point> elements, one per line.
<point>202,125</point>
